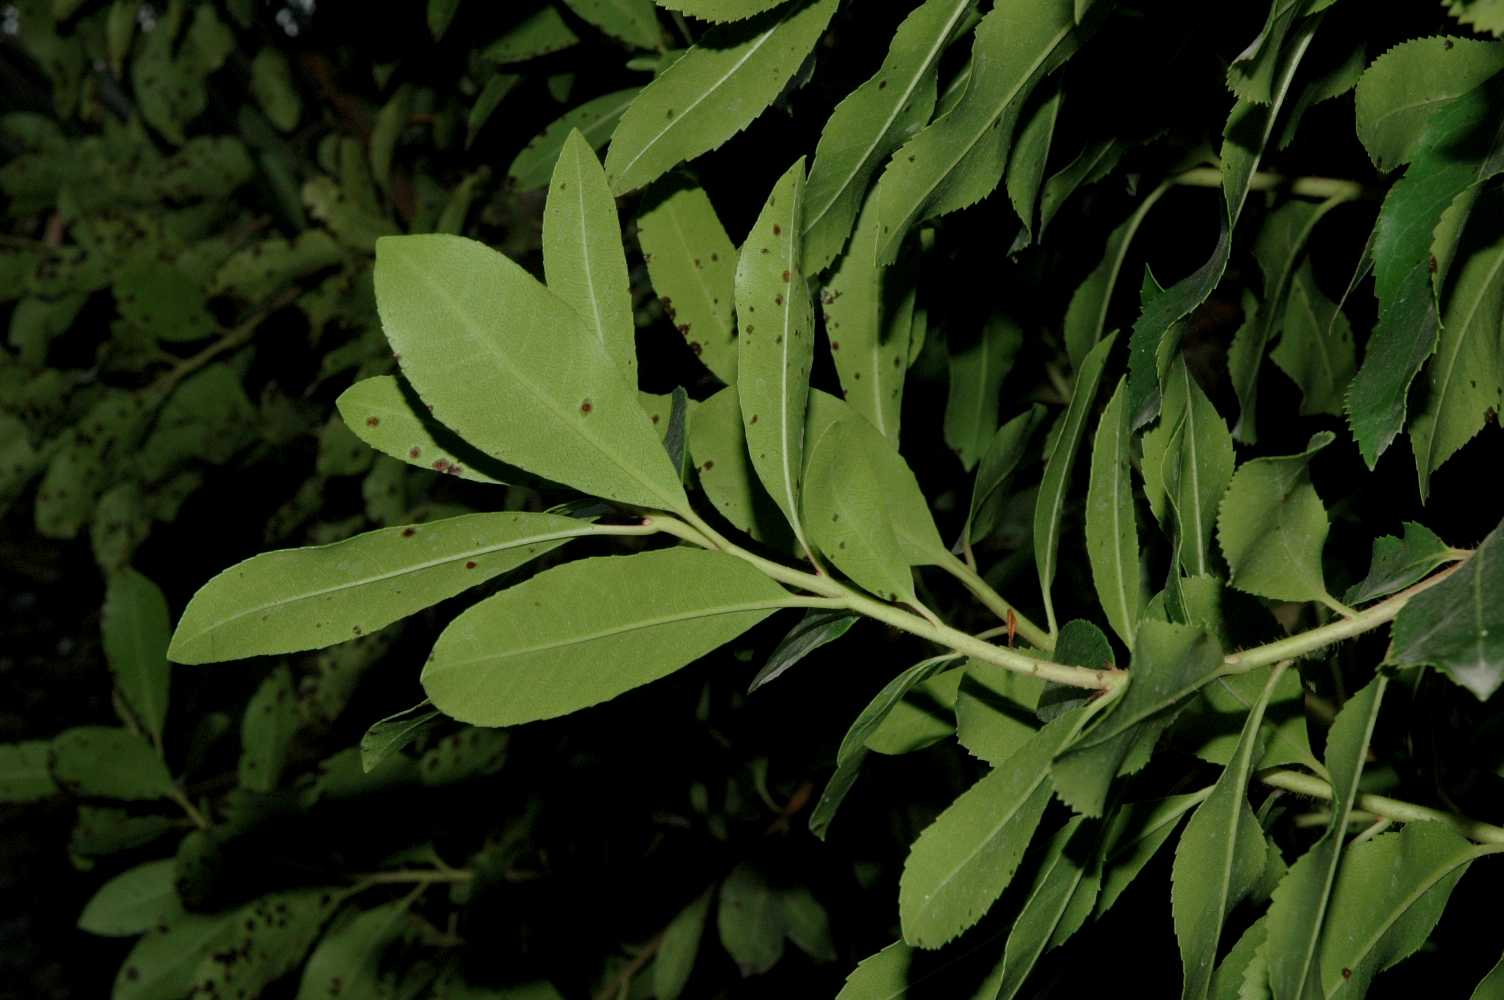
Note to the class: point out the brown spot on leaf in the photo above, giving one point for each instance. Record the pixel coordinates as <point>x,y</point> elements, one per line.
<point>373,421</point>
<point>585,406</point>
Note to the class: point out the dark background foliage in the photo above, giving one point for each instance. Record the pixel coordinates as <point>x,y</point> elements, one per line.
<point>601,826</point>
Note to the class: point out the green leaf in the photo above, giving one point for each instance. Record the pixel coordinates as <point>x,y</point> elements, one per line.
<point>540,33</point>
<point>1086,316</point>
<point>103,831</point>
<point>1004,453</point>
<point>347,960</point>
<point>1492,986</point>
<point>1466,380</point>
<point>1049,509</point>
<point>869,320</point>
<point>391,121</point>
<point>596,119</point>
<point>675,959</point>
<point>1316,347</point>
<point>1458,625</point>
<point>1273,526</point>
<point>712,92</point>
<point>583,260</point>
<point>959,158</point>
<point>25,775</point>
<point>776,348</point>
<point>1030,153</point>
<point>816,629</point>
<point>266,731</point>
<point>1096,161</point>
<point>295,599</point>
<point>1135,833</point>
<point>1298,911</point>
<point>492,94</point>
<point>925,716</point>
<point>1213,734</point>
<point>1220,856</point>
<point>881,976</point>
<point>1244,960</point>
<point>136,628</point>
<point>133,902</point>
<point>848,515</point>
<point>977,369</point>
<point>750,920</point>
<point>1111,525</point>
<point>871,122</point>
<point>1188,461</point>
<point>1461,147</point>
<point>718,443</point>
<point>1399,562</point>
<point>162,963</point>
<point>1279,249</point>
<point>853,748</point>
<point>108,762</point>
<point>720,10</point>
<point>806,923</point>
<point>1059,902</point>
<point>541,392</point>
<point>631,21</point>
<point>995,710</point>
<point>272,86</point>
<point>387,415</point>
<point>387,737</point>
<point>908,510</point>
<point>470,753</point>
<point>440,16</point>
<point>1402,91</point>
<point>692,264</point>
<point>1388,897</point>
<point>647,615</point>
<point>1170,664</point>
<point>269,938</point>
<point>964,860</point>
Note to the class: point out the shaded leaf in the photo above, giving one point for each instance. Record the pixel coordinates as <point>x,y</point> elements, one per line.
<point>470,753</point>
<point>977,370</point>
<point>1399,562</point>
<point>540,33</point>
<point>999,461</point>
<point>1456,625</point>
<point>1403,89</point>
<point>595,120</point>
<point>390,735</point>
<point>136,628</point>
<point>266,731</point>
<point>718,444</point>
<point>750,920</point>
<point>1111,524</point>
<point>25,775</point>
<point>631,21</point>
<point>675,959</point>
<point>848,516</point>
<point>384,415</point>
<point>1316,347</point>
<point>1273,526</point>
<point>816,629</point>
<point>108,762</point>
<point>347,960</point>
<point>692,264</point>
<point>133,902</point>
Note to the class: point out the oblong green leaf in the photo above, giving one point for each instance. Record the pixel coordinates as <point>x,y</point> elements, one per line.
<point>583,260</point>
<point>818,628</point>
<point>347,960</point>
<point>1187,464</point>
<point>584,632</point>
<point>1399,562</point>
<point>872,121</point>
<point>1458,625</point>
<point>108,762</point>
<point>1049,508</point>
<point>1465,382</point>
<point>1388,896</point>
<point>1220,857</point>
<point>964,860</point>
<point>853,748</point>
<point>675,959</point>
<point>1111,524</point>
<point>386,737</point>
<point>382,414</point>
<point>977,370</point>
<point>959,159</point>
<point>692,264</point>
<point>133,902</point>
<point>848,517</point>
<point>1272,527</point>
<point>720,10</point>
<point>540,33</point>
<point>596,119</point>
<point>295,599</point>
<point>1086,316</point>
<point>1403,88</point>
<point>1316,348</point>
<point>1135,833</point>
<point>1299,908</point>
<point>24,772</point>
<point>631,21</point>
<point>776,347</point>
<point>718,443</point>
<point>1059,902</point>
<point>750,920</point>
<point>712,92</point>
<point>136,629</point>
<point>1004,452</point>
<point>539,391</point>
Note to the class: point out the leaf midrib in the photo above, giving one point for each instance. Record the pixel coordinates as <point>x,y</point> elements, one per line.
<point>1447,381</point>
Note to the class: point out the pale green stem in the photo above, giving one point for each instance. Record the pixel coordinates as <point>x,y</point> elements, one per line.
<point>1320,188</point>
<point>994,602</point>
<point>412,875</point>
<point>1318,638</point>
<point>189,809</point>
<point>1382,806</point>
